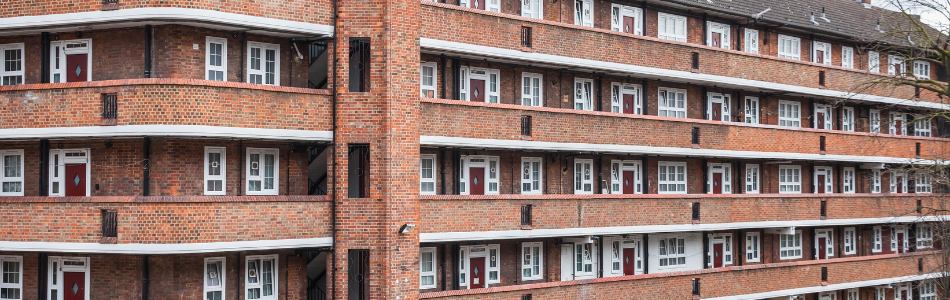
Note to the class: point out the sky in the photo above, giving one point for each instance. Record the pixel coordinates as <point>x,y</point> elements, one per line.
<point>932,18</point>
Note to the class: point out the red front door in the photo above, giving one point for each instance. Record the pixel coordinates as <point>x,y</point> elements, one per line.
<point>900,242</point>
<point>476,181</point>
<point>628,104</point>
<point>76,180</point>
<point>900,184</point>
<point>904,295</point>
<point>629,261</point>
<point>716,38</point>
<point>477,272</point>
<point>820,56</point>
<point>820,183</point>
<point>74,286</point>
<point>479,4</point>
<point>628,182</point>
<point>717,183</point>
<point>820,119</point>
<point>717,255</point>
<point>716,111</point>
<point>76,65</point>
<point>897,127</point>
<point>822,252</point>
<point>628,25</point>
<point>478,90</point>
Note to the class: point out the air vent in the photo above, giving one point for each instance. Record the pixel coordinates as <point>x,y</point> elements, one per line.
<point>917,150</point>
<point>695,60</point>
<point>526,125</point>
<point>525,36</point>
<point>110,223</point>
<point>821,78</point>
<point>696,211</point>
<point>526,215</point>
<point>821,144</point>
<point>824,274</point>
<point>824,210</point>
<point>695,136</point>
<point>696,287</point>
<point>110,106</point>
<point>110,4</point>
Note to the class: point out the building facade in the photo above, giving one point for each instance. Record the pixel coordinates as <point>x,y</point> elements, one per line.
<point>463,149</point>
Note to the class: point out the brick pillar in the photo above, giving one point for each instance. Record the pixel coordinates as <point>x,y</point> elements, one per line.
<point>385,118</point>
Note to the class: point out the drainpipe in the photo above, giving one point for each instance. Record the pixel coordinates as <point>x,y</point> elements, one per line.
<point>145,277</point>
<point>643,7</point>
<point>643,96</point>
<point>148,51</point>
<point>241,173</point>
<point>331,189</point>
<point>442,77</point>
<point>442,169</point>
<point>42,275</point>
<point>240,74</point>
<point>44,65</point>
<point>646,178</point>
<point>705,28</point>
<point>44,169</point>
<point>646,253</point>
<point>146,153</point>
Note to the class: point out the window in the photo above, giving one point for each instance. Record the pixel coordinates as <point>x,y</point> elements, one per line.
<point>427,261</point>
<point>479,175</point>
<point>821,53</point>
<point>724,239</point>
<point>479,84</point>
<point>875,181</point>
<point>215,173</point>
<point>11,177</point>
<point>263,63</point>
<point>828,235</point>
<point>789,113</point>
<point>216,59</point>
<point>531,176</point>
<point>849,241</point>
<point>584,258</point>
<point>66,61</point>
<point>12,57</point>
<point>626,19</point>
<point>823,180</point>
<point>672,103</point>
<point>853,294</point>
<point>752,110</point>
<point>822,115</point>
<point>11,287</point>
<point>922,69</point>
<point>583,94</point>
<point>717,107</point>
<point>359,66</point>
<point>532,9</point>
<point>672,252</point>
<point>847,57</point>
<point>725,180</point>
<point>789,179</point>
<point>427,174</point>
<point>925,236</point>
<point>752,247</point>
<point>751,40</point>
<point>262,171</point>
<point>672,177</point>
<point>790,245</point>
<point>214,278</point>
<point>879,293</point>
<point>261,279</point>
<point>874,120</point>
<point>897,126</point>
<point>922,126</point>
<point>625,98</point>
<point>752,179</point>
<point>428,74</point>
<point>531,260</point>
<point>847,119</point>
<point>874,62</point>
<point>531,87</point>
<point>898,246</point>
<point>898,182</point>
<point>489,5</point>
<point>923,183</point>
<point>583,176</point>
<point>584,13</point>
<point>927,291</point>
<point>789,47</point>
<point>625,177</point>
<point>672,27</point>
<point>717,35</point>
<point>877,239</point>
<point>847,177</point>
<point>895,65</point>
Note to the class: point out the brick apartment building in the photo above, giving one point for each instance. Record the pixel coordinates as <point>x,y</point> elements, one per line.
<point>461,149</point>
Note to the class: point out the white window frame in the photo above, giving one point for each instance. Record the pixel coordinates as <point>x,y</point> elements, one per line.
<point>665,245</point>
<point>880,293</point>
<point>826,55</point>
<point>922,126</point>
<point>874,62</point>
<point>751,41</point>
<point>430,273</point>
<point>892,129</point>
<point>724,31</point>
<point>894,241</point>
<point>896,60</point>
<point>875,181</point>
<point>618,12</point>
<point>222,176</point>
<point>12,179</point>
<point>922,69</point>
<point>248,286</point>
<point>751,110</point>
<point>789,185</point>
<point>927,291</point>
<point>18,285</point>
<point>923,183</point>
<point>752,179</point>
<point>56,267</point>
<point>58,52</point>
<point>850,241</point>
<point>533,261</point>
<point>790,47</point>
<point>82,156</point>
<point>618,90</point>
<point>829,179</point>
<point>492,78</point>
<point>789,113</point>
<point>585,17</point>
<point>877,240</point>
<point>852,294</point>
<point>617,167</point>
<point>222,271</point>
<point>465,254</point>
<point>679,24</point>
<point>925,236</point>
<point>21,73</point>
<point>727,242</point>
<point>490,5</point>
<point>663,174</point>
<point>726,170</point>
<point>753,246</point>
<point>223,68</point>
<point>262,71</point>
<point>847,57</point>
<point>532,9</point>
<point>848,177</point>
<point>847,118</point>
<point>584,94</point>
<point>893,179</point>
<point>426,88</point>
<point>491,178</point>
<point>532,175</point>
<point>829,120</point>
<point>874,121</point>
<point>262,152</point>
<point>829,235</point>
<point>725,100</point>
<point>532,89</point>
<point>790,245</point>
<point>583,176</point>
<point>431,178</point>
<point>678,108</point>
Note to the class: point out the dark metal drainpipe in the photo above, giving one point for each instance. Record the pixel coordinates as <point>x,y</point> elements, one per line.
<point>148,51</point>
<point>331,188</point>
<point>42,275</point>
<point>146,154</point>
<point>44,63</point>
<point>44,170</point>
<point>145,277</point>
<point>646,253</point>
<point>442,77</point>
<point>643,97</point>
<point>240,74</point>
<point>442,172</point>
